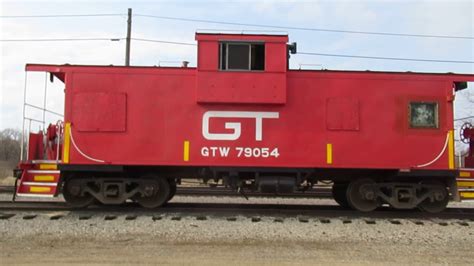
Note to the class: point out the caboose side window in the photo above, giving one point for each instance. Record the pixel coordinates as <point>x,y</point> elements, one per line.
<point>423,115</point>
<point>241,56</point>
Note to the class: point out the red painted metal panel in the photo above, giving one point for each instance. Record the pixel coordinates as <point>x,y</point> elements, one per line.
<point>35,146</point>
<point>342,113</point>
<point>100,111</point>
<point>276,57</point>
<point>241,87</point>
<point>208,55</point>
<point>163,113</point>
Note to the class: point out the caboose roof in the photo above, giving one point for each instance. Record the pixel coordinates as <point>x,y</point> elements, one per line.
<point>59,70</point>
<point>64,67</point>
<point>242,32</point>
<point>267,36</point>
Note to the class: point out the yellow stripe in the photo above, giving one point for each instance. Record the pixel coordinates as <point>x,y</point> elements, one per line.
<point>186,151</point>
<point>66,144</point>
<point>40,189</point>
<point>48,167</point>
<point>466,184</point>
<point>464,174</point>
<point>329,153</point>
<point>451,150</point>
<point>43,178</point>
<point>467,194</point>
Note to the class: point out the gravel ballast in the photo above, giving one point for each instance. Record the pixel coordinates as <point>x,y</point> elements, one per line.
<point>180,238</point>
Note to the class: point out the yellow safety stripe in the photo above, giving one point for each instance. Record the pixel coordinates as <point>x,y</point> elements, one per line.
<point>329,153</point>
<point>39,189</point>
<point>464,174</point>
<point>67,141</point>
<point>186,151</point>
<point>466,184</point>
<point>43,178</point>
<point>451,150</point>
<point>467,194</point>
<point>48,167</point>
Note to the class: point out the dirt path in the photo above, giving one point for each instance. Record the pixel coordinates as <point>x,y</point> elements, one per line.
<point>47,250</point>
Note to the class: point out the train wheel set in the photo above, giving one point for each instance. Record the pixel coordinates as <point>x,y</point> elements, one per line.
<point>152,191</point>
<point>149,191</point>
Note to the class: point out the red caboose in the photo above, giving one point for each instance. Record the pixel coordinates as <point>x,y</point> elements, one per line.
<point>242,116</point>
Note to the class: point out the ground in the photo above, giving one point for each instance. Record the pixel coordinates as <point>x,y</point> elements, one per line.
<point>194,239</point>
<point>216,240</point>
<point>143,249</point>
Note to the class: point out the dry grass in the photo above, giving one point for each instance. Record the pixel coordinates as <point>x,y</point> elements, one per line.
<point>6,169</point>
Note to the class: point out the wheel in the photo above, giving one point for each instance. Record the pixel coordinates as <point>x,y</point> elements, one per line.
<point>438,202</point>
<point>360,197</point>
<point>156,192</point>
<point>339,194</point>
<point>72,193</point>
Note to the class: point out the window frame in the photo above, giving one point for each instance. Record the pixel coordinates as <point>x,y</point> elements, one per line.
<point>249,44</point>
<point>436,115</point>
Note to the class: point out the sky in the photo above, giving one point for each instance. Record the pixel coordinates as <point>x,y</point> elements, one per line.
<point>454,18</point>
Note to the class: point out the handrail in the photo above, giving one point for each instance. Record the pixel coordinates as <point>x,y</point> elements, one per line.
<point>43,109</point>
<point>24,141</point>
<point>34,120</point>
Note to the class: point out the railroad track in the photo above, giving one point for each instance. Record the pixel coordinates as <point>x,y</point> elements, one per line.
<point>7,189</point>
<point>233,209</point>
<point>320,192</point>
<point>248,209</point>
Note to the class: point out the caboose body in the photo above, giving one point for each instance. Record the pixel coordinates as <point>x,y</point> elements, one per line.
<point>241,116</point>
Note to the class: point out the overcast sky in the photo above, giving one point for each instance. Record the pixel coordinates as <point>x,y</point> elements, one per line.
<point>413,17</point>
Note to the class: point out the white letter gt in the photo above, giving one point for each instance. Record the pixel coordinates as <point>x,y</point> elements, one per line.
<point>235,126</point>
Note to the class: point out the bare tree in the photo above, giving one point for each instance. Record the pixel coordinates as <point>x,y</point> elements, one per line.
<point>10,145</point>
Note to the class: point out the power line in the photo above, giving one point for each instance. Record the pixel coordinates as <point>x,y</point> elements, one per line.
<point>246,24</point>
<point>94,39</point>
<point>65,16</point>
<point>464,118</point>
<point>307,29</point>
<point>334,55</point>
<point>61,40</point>
<point>193,44</point>
<point>389,58</point>
<point>160,41</point>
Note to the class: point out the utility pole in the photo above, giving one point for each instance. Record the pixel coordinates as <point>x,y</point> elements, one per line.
<point>129,33</point>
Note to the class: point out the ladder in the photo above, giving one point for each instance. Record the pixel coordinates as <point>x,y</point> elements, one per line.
<point>39,178</point>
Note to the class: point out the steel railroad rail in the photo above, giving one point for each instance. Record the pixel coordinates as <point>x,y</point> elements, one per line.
<point>236,209</point>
